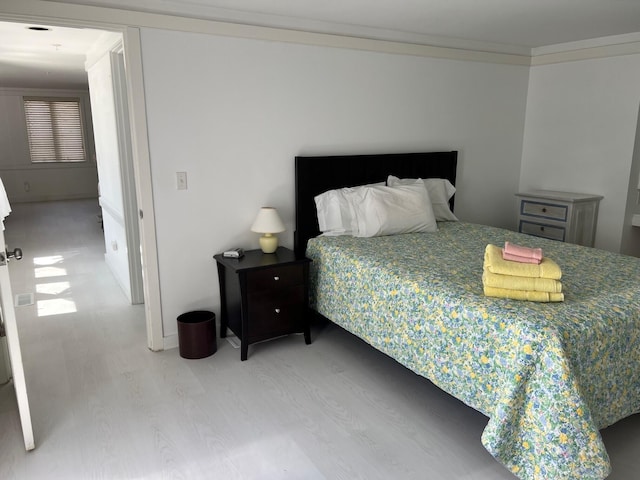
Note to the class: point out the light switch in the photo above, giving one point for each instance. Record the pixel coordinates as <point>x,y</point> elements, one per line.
<point>181,180</point>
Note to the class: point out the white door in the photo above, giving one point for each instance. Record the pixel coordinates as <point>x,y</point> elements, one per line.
<point>13,342</point>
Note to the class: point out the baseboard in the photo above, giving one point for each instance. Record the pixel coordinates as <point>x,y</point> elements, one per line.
<point>52,198</point>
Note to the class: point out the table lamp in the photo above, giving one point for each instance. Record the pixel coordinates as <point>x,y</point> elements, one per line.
<point>268,222</point>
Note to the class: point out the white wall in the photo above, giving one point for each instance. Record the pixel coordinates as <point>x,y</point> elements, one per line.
<point>27,182</point>
<point>580,131</point>
<point>233,113</point>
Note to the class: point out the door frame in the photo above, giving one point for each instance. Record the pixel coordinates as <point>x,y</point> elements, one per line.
<point>141,159</point>
<point>143,185</point>
<point>127,174</point>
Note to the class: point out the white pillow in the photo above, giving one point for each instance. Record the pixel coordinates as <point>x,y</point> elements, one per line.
<point>334,212</point>
<point>382,210</point>
<point>440,192</point>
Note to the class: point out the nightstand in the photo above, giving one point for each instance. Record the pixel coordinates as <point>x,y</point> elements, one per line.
<point>263,295</point>
<point>564,216</point>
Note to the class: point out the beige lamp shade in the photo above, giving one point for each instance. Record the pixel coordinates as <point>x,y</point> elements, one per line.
<point>268,222</point>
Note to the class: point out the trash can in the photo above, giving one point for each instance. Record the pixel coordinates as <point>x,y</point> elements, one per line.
<point>197,334</point>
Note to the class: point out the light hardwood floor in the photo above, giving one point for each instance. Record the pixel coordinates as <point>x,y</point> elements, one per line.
<point>105,407</point>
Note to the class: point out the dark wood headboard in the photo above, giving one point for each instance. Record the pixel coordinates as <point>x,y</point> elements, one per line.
<point>315,175</point>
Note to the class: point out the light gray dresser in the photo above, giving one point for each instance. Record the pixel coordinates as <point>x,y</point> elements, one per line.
<point>564,216</point>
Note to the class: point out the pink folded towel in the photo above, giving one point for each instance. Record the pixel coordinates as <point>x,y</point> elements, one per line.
<point>518,258</point>
<point>518,253</point>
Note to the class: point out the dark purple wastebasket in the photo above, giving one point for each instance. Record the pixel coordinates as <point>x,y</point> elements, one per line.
<point>197,334</point>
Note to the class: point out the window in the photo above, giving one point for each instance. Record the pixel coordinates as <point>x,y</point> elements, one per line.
<point>55,130</point>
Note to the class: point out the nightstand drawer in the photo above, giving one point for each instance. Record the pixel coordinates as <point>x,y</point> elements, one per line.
<point>541,230</point>
<point>544,210</point>
<point>276,277</point>
<point>276,312</point>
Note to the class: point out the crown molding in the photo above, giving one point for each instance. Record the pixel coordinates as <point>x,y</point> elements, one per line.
<point>42,92</point>
<point>204,10</point>
<point>70,15</point>
<point>316,33</point>
<point>602,47</point>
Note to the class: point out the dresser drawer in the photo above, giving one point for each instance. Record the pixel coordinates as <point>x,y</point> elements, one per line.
<point>541,230</point>
<point>564,216</point>
<point>277,277</point>
<point>276,312</point>
<point>544,210</point>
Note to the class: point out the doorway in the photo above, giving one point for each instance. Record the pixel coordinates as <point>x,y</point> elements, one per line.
<point>139,184</point>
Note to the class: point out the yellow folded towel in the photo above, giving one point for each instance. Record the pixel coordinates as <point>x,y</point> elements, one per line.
<point>521,283</point>
<point>494,262</point>
<point>529,295</point>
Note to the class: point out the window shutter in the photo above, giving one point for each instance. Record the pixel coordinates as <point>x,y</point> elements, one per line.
<point>54,128</point>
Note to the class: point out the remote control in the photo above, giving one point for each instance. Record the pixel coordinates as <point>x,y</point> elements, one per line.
<point>235,253</point>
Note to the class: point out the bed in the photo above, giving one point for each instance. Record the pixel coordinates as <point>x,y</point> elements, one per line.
<point>548,375</point>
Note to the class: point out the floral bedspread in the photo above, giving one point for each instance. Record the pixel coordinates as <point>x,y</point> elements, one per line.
<point>548,375</point>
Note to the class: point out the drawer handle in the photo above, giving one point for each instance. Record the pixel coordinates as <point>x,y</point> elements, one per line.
<point>276,278</point>
<point>542,229</point>
<point>544,209</point>
<point>277,310</point>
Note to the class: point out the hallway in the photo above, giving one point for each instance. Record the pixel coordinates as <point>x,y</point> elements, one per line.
<point>79,330</point>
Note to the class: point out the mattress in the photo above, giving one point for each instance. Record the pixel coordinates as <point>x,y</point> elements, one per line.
<point>548,375</point>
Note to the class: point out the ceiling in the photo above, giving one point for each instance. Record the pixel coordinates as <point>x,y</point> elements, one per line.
<point>51,58</point>
<point>510,26</point>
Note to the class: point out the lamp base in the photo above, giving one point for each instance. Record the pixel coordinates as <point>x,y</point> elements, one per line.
<point>268,243</point>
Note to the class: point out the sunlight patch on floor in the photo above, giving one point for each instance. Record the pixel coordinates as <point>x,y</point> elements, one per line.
<point>45,272</point>
<point>56,306</point>
<point>49,260</point>
<point>55,288</point>
<point>45,268</point>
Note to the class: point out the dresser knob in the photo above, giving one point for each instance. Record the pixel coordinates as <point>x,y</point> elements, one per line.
<point>542,229</point>
<point>544,210</point>
<point>277,310</point>
<point>276,278</point>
